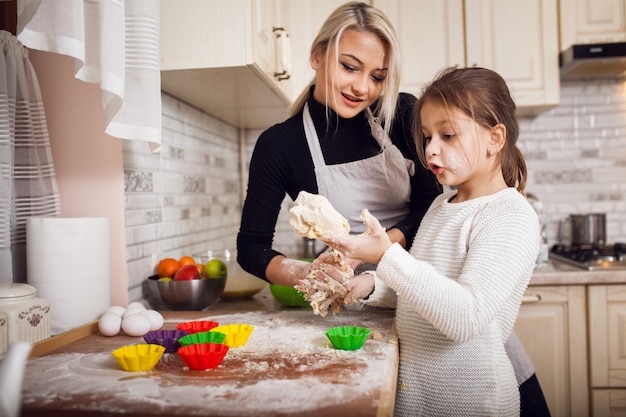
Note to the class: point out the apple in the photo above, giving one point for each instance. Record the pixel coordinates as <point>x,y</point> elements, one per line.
<point>188,272</point>
<point>215,269</point>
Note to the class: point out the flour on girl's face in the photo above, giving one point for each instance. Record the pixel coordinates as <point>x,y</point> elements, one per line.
<point>456,143</point>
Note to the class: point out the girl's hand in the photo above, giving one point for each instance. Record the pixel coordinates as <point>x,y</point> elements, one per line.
<point>368,246</point>
<point>360,287</point>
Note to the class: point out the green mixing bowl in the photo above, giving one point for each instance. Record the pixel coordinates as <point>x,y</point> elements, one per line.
<point>288,296</point>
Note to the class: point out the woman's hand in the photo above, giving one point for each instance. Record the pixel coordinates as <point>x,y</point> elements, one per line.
<point>329,266</point>
<point>368,246</point>
<point>326,283</point>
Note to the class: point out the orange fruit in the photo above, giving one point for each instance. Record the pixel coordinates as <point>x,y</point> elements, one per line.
<point>186,260</point>
<point>167,267</point>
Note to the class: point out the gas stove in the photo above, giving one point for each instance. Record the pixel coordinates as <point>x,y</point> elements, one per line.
<point>592,257</point>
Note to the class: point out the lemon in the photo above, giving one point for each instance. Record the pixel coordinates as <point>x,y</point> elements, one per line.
<point>215,269</point>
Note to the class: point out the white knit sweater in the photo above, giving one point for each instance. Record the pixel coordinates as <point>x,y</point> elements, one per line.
<point>458,295</point>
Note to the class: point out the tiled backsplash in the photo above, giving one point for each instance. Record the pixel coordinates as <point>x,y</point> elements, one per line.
<point>185,200</point>
<point>576,155</point>
<point>188,198</point>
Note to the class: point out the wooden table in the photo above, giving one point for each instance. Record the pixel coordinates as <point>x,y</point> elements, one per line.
<point>286,368</point>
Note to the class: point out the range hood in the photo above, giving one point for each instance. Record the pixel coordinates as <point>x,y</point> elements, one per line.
<point>600,60</point>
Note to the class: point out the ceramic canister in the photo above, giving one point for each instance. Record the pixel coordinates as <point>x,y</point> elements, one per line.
<point>27,317</point>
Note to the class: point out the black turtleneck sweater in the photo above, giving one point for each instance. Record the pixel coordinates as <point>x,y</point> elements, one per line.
<point>281,163</point>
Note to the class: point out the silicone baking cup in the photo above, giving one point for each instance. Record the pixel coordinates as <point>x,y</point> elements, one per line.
<point>203,356</point>
<point>347,337</point>
<point>166,338</point>
<point>136,358</point>
<point>236,334</point>
<point>202,337</point>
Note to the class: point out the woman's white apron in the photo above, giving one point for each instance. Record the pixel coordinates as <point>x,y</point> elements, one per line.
<point>380,183</point>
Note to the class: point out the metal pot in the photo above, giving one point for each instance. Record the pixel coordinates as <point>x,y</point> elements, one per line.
<point>586,229</point>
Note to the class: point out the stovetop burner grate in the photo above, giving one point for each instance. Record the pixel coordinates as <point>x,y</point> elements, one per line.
<point>591,257</point>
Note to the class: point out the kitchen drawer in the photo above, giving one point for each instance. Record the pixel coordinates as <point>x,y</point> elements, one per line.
<point>608,402</point>
<point>552,327</point>
<point>607,339</point>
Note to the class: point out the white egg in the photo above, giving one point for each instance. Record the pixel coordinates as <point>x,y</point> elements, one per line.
<point>136,325</point>
<point>133,310</point>
<point>136,304</point>
<point>110,324</point>
<point>156,319</point>
<point>119,310</point>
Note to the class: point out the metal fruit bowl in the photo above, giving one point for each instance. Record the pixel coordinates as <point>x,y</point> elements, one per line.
<point>241,284</point>
<point>195,294</point>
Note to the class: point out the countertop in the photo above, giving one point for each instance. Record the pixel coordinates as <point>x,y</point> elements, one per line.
<point>287,367</point>
<point>560,273</point>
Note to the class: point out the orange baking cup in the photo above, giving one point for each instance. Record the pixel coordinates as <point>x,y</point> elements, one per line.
<point>236,334</point>
<point>203,355</point>
<point>192,327</point>
<point>135,358</point>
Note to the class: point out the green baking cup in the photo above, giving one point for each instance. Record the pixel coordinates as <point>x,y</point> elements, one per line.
<point>347,337</point>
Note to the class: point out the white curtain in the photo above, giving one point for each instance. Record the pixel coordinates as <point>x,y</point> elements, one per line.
<point>27,179</point>
<point>114,43</point>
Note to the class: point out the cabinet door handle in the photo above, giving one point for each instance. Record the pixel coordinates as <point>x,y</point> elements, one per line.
<point>531,299</point>
<point>283,54</point>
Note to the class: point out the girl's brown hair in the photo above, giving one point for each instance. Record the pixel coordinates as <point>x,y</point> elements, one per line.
<point>483,95</point>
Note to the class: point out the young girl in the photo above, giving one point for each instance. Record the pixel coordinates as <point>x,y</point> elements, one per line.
<point>460,288</point>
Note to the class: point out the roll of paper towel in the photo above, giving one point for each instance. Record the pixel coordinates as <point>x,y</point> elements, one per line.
<point>68,261</point>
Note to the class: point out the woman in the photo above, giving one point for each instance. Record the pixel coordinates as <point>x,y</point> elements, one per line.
<point>333,145</point>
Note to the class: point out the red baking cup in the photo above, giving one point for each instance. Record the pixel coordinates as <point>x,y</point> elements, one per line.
<point>203,356</point>
<point>197,326</point>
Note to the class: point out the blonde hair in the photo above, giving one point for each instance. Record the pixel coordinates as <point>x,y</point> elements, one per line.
<point>363,18</point>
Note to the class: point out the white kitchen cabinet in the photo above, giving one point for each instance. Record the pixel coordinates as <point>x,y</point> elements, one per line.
<point>552,327</point>
<point>431,37</point>
<point>592,21</point>
<point>303,20</point>
<point>607,348</point>
<point>225,58</point>
<point>516,38</point>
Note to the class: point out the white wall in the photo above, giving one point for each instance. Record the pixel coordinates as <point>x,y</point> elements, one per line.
<point>88,162</point>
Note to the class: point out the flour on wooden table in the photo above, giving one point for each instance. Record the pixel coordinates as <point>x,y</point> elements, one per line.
<point>287,366</point>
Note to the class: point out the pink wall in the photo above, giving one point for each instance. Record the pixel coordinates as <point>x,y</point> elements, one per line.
<point>87,161</point>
